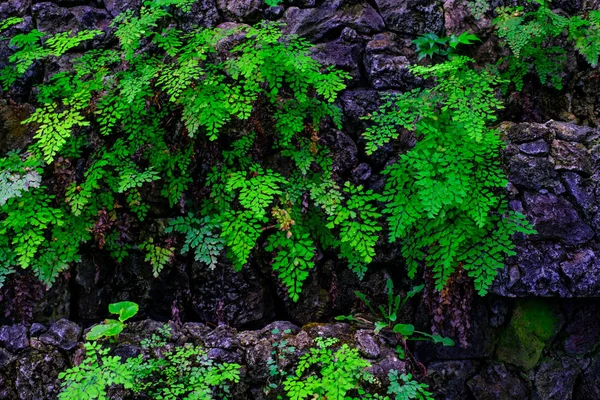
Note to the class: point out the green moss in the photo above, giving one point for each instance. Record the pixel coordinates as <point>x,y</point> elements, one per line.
<point>535,322</point>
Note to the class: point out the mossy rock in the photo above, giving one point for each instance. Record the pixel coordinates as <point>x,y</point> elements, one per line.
<point>535,322</point>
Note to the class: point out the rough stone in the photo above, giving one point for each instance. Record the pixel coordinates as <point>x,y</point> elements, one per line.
<point>367,344</point>
<point>37,329</point>
<point>13,134</point>
<point>589,387</point>
<point>330,18</point>
<point>116,7</point>
<point>537,148</point>
<point>570,132</point>
<point>582,191</point>
<point>554,218</point>
<point>581,332</point>
<point>529,172</point>
<point>227,296</point>
<point>555,379</point>
<point>37,375</point>
<point>581,271</point>
<point>50,18</point>
<point>6,359</point>
<point>447,379</point>
<point>241,10</point>
<point>344,56</point>
<point>527,132</point>
<point>570,156</point>
<point>14,338</point>
<point>387,62</point>
<point>411,16</point>
<point>496,382</point>
<point>533,325</point>
<point>63,334</point>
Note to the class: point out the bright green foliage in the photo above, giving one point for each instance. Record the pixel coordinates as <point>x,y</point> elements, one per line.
<point>112,327</point>
<point>431,44</point>
<point>409,389</point>
<point>529,36</point>
<point>157,256</point>
<point>294,258</point>
<point>273,3</point>
<point>358,226</point>
<point>35,232</point>
<point>444,197</point>
<point>119,108</point>
<point>161,372</point>
<point>325,373</point>
<point>201,236</point>
<point>36,45</point>
<point>97,372</point>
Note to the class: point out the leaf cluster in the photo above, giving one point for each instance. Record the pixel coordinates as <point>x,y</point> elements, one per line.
<point>530,36</point>
<point>443,198</point>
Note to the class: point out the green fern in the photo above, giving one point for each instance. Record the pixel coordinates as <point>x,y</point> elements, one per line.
<point>529,34</point>
<point>443,198</point>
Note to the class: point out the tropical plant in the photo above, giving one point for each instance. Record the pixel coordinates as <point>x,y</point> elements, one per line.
<point>444,198</point>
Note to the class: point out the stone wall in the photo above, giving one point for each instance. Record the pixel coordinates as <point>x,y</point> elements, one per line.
<point>537,337</point>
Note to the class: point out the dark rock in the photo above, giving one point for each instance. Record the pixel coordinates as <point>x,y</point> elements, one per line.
<point>582,191</point>
<point>227,296</point>
<point>14,8</point>
<point>448,379</point>
<point>14,338</point>
<point>387,64</point>
<point>37,375</point>
<point>533,325</point>
<point>361,173</point>
<point>203,13</point>
<point>50,18</point>
<point>411,16</point>
<point>63,334</point>
<point>570,132</point>
<point>196,330</point>
<point>367,344</point>
<point>241,10</point>
<point>527,132</point>
<point>496,382</point>
<point>355,105</point>
<point>581,333</point>
<point>257,358</point>
<point>274,13</point>
<point>589,386</point>
<point>6,358</point>
<point>13,134</point>
<point>223,337</point>
<point>530,172</point>
<point>570,157</point>
<point>344,56</point>
<point>6,391</point>
<point>555,379</point>
<point>127,351</point>
<point>37,329</point>
<point>554,218</point>
<point>116,7</point>
<point>581,271</point>
<point>330,18</point>
<point>537,148</point>
<point>535,272</point>
<point>344,151</point>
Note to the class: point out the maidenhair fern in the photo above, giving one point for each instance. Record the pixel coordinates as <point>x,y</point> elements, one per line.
<point>444,199</point>
<point>529,35</point>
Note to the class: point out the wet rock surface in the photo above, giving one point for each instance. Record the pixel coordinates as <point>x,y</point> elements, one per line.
<point>554,172</point>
